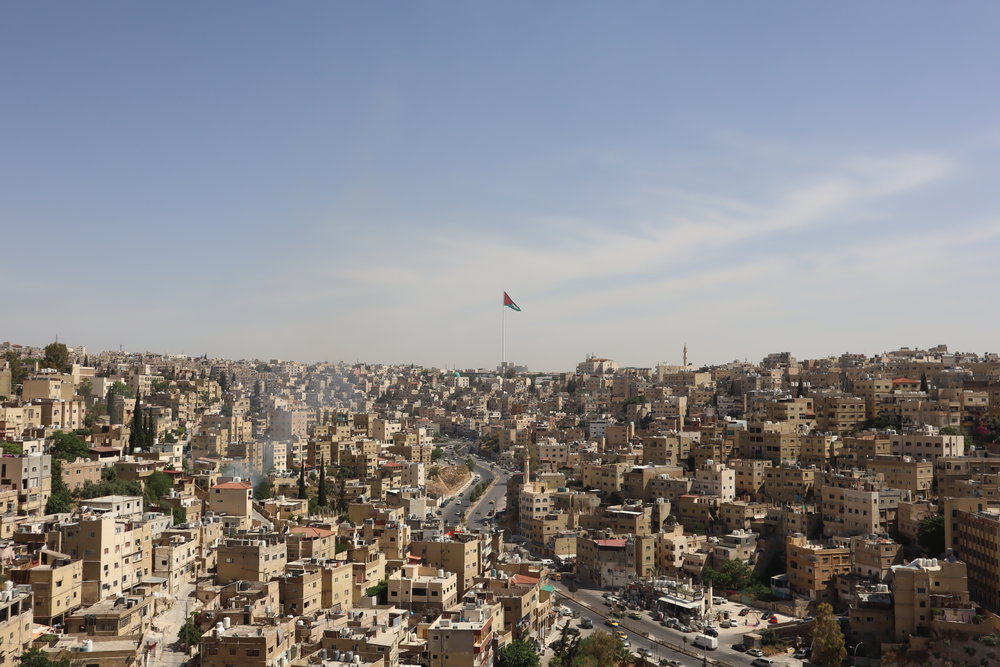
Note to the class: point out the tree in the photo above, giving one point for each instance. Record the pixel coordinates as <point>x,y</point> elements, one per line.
<point>57,357</point>
<point>11,448</point>
<point>136,436</point>
<point>436,454</point>
<point>60,500</point>
<point>733,575</point>
<point>828,648</point>
<point>321,485</point>
<point>68,447</point>
<point>263,490</point>
<point>923,382</point>
<point>470,464</point>
<point>801,390</point>
<point>602,650</point>
<point>930,535</point>
<point>158,485</point>
<point>302,482</point>
<point>434,472</point>
<point>518,654</point>
<point>34,657</point>
<point>189,634</point>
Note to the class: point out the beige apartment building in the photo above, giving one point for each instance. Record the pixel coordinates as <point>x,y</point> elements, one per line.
<point>923,588</point>
<point>56,581</point>
<point>905,472</point>
<point>16,603</point>
<point>464,638</point>
<point>31,476</point>
<point>76,474</point>
<point>812,568</point>
<point>927,444</point>
<point>789,484</point>
<point>423,589</point>
<point>269,644</point>
<point>840,414</point>
<point>252,558</point>
<point>232,499</point>
<point>715,479</point>
<point>461,556</point>
<point>750,475</point>
<point>116,554</point>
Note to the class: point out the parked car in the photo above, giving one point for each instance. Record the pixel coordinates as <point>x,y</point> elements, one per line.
<point>711,632</point>
<point>586,624</point>
<point>755,652</point>
<point>802,653</point>
<point>744,611</point>
<point>739,648</point>
<point>773,619</point>
<point>762,662</point>
<point>808,619</point>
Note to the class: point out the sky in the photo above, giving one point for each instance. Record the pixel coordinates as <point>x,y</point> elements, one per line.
<point>362,181</point>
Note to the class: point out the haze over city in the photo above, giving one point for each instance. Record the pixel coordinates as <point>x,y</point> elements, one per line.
<point>362,182</point>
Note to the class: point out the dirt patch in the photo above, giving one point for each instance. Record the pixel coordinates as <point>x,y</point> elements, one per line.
<point>449,481</point>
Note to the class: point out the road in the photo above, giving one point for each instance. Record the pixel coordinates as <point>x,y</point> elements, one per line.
<point>636,640</point>
<point>458,506</point>
<point>665,638</point>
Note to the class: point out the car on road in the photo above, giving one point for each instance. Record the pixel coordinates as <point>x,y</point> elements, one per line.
<point>711,632</point>
<point>802,654</point>
<point>586,624</point>
<point>755,652</point>
<point>635,615</point>
<point>739,648</point>
<point>744,611</point>
<point>762,662</point>
<point>807,619</point>
<point>644,652</point>
<point>773,619</point>
<point>611,623</point>
<point>621,635</point>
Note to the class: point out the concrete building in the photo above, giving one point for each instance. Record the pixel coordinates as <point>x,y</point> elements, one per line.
<point>812,568</point>
<point>257,557</point>
<point>423,589</point>
<point>56,581</point>
<point>264,645</point>
<point>923,588</point>
<point>464,638</point>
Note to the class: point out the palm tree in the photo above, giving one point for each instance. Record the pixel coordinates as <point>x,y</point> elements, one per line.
<point>434,472</point>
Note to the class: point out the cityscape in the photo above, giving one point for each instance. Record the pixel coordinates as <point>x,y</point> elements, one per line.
<point>162,509</point>
<point>480,334</point>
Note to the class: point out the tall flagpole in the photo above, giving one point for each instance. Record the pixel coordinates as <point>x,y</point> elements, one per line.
<point>503,337</point>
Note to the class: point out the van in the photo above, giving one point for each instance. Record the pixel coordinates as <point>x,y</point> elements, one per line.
<point>706,642</point>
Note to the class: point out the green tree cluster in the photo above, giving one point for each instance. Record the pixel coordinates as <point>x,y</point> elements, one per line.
<point>930,535</point>
<point>518,654</point>
<point>34,657</point>
<point>263,490</point>
<point>11,448</point>
<point>63,447</point>
<point>437,454</point>
<point>56,357</point>
<point>733,575</point>
<point>190,633</point>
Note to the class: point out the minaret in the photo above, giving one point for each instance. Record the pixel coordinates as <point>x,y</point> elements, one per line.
<point>685,355</point>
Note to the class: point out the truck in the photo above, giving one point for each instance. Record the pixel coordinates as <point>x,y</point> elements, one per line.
<point>706,642</point>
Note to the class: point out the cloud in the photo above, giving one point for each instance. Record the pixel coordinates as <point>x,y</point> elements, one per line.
<point>587,266</point>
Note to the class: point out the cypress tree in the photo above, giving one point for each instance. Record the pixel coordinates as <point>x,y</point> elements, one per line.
<point>302,481</point>
<point>149,433</point>
<point>137,437</point>
<point>321,493</point>
<point>107,401</point>
<point>923,383</point>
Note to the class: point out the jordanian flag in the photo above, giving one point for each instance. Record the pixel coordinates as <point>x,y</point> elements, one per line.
<point>509,302</point>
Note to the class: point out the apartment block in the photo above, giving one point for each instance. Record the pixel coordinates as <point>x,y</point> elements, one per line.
<point>251,558</point>
<point>423,589</point>
<point>264,645</point>
<point>56,581</point>
<point>812,568</point>
<point>116,554</point>
<point>464,638</point>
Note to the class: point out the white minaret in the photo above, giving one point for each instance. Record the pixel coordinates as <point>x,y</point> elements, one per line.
<point>685,355</point>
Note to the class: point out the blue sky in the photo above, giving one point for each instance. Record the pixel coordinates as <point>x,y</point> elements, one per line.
<point>361,181</point>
